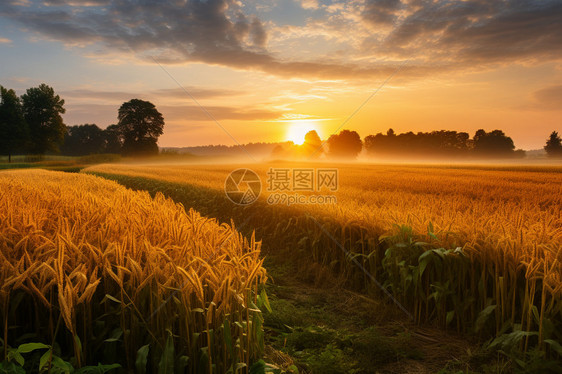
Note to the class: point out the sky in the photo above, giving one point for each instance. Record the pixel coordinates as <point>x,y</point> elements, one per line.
<point>228,71</point>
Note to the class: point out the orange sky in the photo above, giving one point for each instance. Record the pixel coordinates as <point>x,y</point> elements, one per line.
<point>264,69</point>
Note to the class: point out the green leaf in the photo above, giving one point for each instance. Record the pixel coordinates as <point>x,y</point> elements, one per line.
<point>423,261</point>
<point>58,365</point>
<point>536,313</point>
<point>44,360</point>
<point>450,316</point>
<point>166,365</point>
<point>266,301</point>
<point>142,358</point>
<point>228,338</point>
<point>204,359</point>
<point>30,347</point>
<point>78,343</point>
<point>14,355</point>
<point>258,367</point>
<point>116,334</point>
<point>239,366</point>
<point>10,368</point>
<point>507,341</point>
<point>294,369</point>
<point>439,252</point>
<point>556,347</point>
<point>183,361</point>
<point>483,317</point>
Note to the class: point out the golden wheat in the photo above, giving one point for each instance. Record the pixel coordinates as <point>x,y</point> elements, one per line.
<point>71,241</point>
<point>507,220</point>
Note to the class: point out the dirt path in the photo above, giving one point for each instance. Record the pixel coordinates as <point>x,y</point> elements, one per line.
<point>324,328</point>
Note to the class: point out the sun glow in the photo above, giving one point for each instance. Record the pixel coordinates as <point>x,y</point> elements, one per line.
<point>297,130</point>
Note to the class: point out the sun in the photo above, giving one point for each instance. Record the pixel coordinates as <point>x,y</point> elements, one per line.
<point>298,129</point>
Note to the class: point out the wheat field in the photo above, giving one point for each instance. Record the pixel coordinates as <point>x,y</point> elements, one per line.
<point>475,248</point>
<point>98,272</point>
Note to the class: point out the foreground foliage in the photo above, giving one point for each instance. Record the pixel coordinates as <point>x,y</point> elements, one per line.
<point>98,273</point>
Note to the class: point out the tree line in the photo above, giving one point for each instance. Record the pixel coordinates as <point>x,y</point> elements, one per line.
<point>33,124</point>
<point>436,144</point>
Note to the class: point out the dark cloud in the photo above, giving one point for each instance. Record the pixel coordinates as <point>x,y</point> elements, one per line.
<point>258,33</point>
<point>213,32</point>
<point>75,2</point>
<point>105,114</point>
<point>477,31</point>
<point>381,12</point>
<point>97,95</point>
<point>191,29</point>
<point>434,36</point>
<point>177,93</point>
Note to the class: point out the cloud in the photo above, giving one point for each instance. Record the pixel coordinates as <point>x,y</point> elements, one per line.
<point>309,4</point>
<point>175,93</point>
<point>105,114</point>
<point>5,40</point>
<point>195,113</point>
<point>377,12</point>
<point>480,32</point>
<point>433,36</point>
<point>549,97</point>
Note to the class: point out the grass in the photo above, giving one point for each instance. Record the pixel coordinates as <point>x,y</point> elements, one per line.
<point>57,163</point>
<point>307,325</point>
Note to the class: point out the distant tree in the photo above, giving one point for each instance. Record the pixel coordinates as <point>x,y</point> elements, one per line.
<point>346,144</point>
<point>42,111</point>
<point>312,146</point>
<point>112,139</point>
<point>13,129</point>
<point>441,143</point>
<point>278,151</point>
<point>370,142</point>
<point>83,140</point>
<point>140,125</point>
<point>553,145</point>
<point>494,143</point>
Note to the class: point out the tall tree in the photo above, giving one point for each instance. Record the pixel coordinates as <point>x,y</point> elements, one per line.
<point>42,111</point>
<point>494,143</point>
<point>312,146</point>
<point>112,139</point>
<point>83,140</point>
<point>346,144</point>
<point>13,129</point>
<point>140,125</point>
<point>553,145</point>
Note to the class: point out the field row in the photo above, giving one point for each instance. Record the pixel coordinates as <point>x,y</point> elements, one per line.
<point>100,273</point>
<point>476,249</point>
